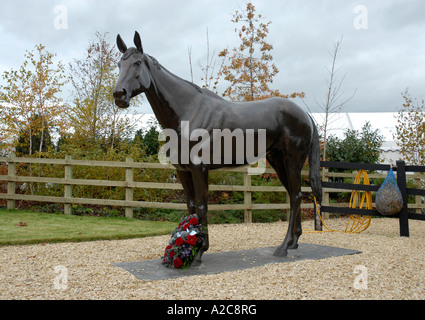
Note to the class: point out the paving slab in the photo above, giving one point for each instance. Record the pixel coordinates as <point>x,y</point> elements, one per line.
<point>213,263</point>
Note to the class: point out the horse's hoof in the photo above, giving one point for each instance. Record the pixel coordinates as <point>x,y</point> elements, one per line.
<point>198,260</point>
<point>293,246</point>
<point>280,252</point>
<point>195,263</point>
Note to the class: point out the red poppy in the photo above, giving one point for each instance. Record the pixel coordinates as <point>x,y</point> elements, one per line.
<point>172,254</point>
<point>179,241</point>
<point>177,262</point>
<point>191,240</point>
<point>194,220</point>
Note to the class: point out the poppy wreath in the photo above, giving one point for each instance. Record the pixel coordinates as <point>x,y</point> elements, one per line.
<point>184,243</point>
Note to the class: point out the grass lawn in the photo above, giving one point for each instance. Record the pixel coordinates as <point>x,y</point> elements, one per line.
<point>24,227</point>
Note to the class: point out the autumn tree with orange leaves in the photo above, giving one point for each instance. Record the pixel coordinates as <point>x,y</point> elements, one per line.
<point>249,67</point>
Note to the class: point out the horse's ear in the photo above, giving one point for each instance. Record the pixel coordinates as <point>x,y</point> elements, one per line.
<point>138,42</point>
<point>121,45</point>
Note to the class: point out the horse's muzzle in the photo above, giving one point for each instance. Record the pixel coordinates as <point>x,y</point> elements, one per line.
<point>121,103</point>
<point>121,99</point>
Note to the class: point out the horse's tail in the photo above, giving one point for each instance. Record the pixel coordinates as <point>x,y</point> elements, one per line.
<point>314,161</point>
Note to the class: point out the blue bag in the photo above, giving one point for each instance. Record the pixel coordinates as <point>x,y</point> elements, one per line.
<point>389,200</point>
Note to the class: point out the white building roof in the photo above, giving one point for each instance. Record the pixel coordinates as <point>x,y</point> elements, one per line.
<point>339,122</point>
<point>384,122</point>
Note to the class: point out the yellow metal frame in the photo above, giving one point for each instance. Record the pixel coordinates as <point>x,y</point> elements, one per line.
<point>356,223</point>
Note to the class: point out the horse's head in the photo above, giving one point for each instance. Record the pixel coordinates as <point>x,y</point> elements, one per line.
<point>134,75</point>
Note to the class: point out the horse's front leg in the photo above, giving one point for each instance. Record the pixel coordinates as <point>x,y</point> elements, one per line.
<point>186,180</point>
<point>200,182</point>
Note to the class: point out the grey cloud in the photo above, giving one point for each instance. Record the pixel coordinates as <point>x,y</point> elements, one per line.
<point>380,61</point>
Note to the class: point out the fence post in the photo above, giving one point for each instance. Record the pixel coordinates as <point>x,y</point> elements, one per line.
<point>325,199</point>
<point>129,176</point>
<point>67,209</point>
<point>401,182</point>
<point>247,196</point>
<point>11,185</point>
<point>418,199</point>
<point>318,225</point>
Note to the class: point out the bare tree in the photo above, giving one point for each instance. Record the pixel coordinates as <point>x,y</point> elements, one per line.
<point>208,69</point>
<point>334,101</point>
<point>189,53</point>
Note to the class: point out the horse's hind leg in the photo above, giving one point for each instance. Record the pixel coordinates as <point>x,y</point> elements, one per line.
<point>289,172</point>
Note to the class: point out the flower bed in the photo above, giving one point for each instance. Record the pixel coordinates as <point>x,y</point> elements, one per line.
<point>184,243</point>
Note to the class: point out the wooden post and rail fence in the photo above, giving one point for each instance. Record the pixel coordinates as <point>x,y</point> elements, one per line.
<point>411,210</point>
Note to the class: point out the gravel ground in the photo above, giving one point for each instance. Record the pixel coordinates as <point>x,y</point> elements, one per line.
<point>395,267</point>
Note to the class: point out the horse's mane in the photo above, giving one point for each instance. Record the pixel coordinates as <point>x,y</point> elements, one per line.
<point>160,67</point>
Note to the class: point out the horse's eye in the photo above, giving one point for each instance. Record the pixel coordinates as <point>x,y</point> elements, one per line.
<point>138,63</point>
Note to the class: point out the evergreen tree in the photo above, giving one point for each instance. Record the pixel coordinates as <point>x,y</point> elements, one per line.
<point>357,146</point>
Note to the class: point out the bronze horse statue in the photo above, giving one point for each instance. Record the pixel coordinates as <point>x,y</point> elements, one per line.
<point>291,135</point>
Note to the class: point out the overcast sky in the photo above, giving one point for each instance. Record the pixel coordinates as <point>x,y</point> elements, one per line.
<point>383,48</point>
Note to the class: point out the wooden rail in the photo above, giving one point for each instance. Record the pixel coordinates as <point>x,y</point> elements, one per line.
<point>129,184</point>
